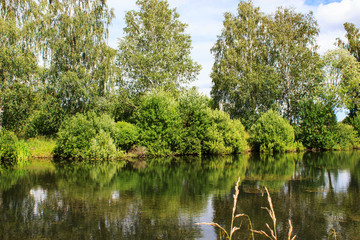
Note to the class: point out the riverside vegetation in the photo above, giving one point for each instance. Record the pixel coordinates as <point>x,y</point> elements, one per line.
<point>67,84</point>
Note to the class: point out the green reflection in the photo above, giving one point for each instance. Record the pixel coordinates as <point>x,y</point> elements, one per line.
<point>163,198</point>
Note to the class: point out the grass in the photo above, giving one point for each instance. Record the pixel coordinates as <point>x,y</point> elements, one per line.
<point>41,147</point>
<point>273,231</point>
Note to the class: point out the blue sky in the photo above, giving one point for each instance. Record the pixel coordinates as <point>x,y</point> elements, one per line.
<point>318,2</point>
<point>205,17</point>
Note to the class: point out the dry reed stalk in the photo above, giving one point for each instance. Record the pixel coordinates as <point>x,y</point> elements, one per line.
<point>273,232</point>
<point>233,217</point>
<point>332,234</point>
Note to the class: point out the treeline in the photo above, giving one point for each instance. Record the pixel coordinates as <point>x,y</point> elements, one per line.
<point>59,78</point>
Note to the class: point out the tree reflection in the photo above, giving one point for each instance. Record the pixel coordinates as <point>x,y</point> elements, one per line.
<point>163,198</point>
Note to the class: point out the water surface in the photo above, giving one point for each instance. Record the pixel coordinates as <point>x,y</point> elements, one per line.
<point>164,198</point>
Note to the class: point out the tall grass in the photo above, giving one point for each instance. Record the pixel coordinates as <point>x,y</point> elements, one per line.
<point>273,231</point>
<point>11,149</point>
<point>41,147</point>
<point>22,151</point>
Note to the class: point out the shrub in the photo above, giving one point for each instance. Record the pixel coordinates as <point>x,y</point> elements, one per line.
<point>345,137</point>
<point>316,125</point>
<point>18,103</point>
<point>159,123</point>
<point>11,148</point>
<point>355,122</point>
<point>102,146</point>
<point>272,133</point>
<point>46,119</point>
<point>127,135</point>
<point>224,135</point>
<point>193,112</point>
<point>86,137</point>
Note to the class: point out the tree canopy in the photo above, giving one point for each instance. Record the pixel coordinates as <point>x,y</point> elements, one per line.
<point>264,62</point>
<point>155,51</point>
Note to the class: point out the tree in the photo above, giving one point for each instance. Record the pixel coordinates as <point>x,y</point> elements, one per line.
<point>353,40</point>
<point>262,62</point>
<point>79,64</point>
<point>244,79</point>
<point>342,82</point>
<point>17,45</point>
<point>155,51</point>
<point>296,61</point>
<point>353,79</point>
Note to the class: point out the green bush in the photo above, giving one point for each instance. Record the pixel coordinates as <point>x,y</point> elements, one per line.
<point>102,146</point>
<point>11,149</point>
<point>159,123</point>
<point>272,133</point>
<point>345,137</point>
<point>193,113</point>
<point>223,135</point>
<point>87,137</point>
<point>316,125</point>
<point>186,126</point>
<point>355,122</point>
<point>127,135</point>
<point>46,119</point>
<point>18,104</point>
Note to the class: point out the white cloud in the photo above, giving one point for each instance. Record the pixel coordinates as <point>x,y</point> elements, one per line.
<point>331,18</point>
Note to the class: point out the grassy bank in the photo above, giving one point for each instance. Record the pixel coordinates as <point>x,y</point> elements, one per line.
<point>41,147</point>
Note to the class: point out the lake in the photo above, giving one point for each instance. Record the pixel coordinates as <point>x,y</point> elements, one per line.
<point>163,198</point>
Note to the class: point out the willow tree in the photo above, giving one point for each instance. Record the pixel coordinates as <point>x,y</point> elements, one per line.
<point>245,82</point>
<point>18,63</point>
<point>155,51</point>
<point>79,64</point>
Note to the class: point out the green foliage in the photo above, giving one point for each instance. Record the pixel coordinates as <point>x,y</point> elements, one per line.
<point>127,135</point>
<point>18,105</point>
<point>187,126</point>
<point>272,133</point>
<point>102,146</point>
<point>316,125</point>
<point>155,51</point>
<point>193,112</point>
<point>262,61</point>
<point>11,149</point>
<point>342,83</point>
<point>223,135</point>
<point>355,122</point>
<point>87,137</point>
<point>41,146</point>
<point>159,123</point>
<point>244,82</point>
<point>293,37</point>
<point>353,40</point>
<point>345,137</point>
<point>17,49</point>
<point>73,37</point>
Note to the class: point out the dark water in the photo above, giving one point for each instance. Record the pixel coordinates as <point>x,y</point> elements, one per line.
<point>164,198</point>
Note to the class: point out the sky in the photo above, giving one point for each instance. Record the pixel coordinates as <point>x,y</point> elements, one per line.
<point>205,18</point>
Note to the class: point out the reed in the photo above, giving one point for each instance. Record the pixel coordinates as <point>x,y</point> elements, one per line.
<point>332,234</point>
<point>233,228</point>
<point>273,231</point>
